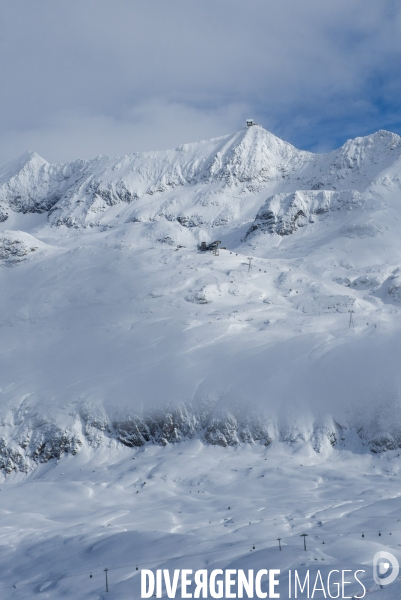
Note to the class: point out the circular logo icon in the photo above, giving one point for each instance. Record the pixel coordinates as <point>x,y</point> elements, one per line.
<point>385,568</point>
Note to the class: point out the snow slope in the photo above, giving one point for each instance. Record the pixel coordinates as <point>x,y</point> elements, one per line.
<point>119,339</point>
<point>194,506</point>
<point>114,325</point>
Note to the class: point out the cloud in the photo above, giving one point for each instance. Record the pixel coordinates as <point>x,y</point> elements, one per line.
<point>76,76</point>
<point>155,125</point>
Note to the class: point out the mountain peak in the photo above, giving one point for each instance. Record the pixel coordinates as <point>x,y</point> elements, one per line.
<point>31,159</point>
<point>30,155</point>
<point>381,138</point>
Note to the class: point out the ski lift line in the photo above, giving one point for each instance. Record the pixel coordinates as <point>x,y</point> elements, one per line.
<point>99,570</point>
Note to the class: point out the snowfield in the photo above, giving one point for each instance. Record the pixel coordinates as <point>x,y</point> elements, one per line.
<point>121,340</point>
<point>196,506</point>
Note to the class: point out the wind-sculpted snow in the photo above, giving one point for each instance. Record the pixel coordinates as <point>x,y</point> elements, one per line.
<point>117,331</point>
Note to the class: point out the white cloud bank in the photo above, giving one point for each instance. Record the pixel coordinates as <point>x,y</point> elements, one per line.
<point>79,79</point>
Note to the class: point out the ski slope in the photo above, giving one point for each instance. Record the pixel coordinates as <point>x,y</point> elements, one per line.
<point>194,506</point>
<point>120,340</point>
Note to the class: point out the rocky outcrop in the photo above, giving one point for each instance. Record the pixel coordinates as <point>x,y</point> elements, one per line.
<point>390,290</point>
<point>38,445</point>
<point>285,213</point>
<point>14,247</point>
<point>37,440</point>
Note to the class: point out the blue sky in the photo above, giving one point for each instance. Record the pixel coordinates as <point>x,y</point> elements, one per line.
<point>88,77</point>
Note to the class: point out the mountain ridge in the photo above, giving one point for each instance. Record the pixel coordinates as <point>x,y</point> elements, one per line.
<point>250,161</point>
<point>116,330</point>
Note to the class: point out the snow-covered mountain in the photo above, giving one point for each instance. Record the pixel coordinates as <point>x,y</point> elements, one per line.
<point>165,407</point>
<point>116,329</point>
<point>205,185</point>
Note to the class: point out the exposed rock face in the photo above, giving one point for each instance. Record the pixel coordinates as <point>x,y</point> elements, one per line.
<point>285,213</point>
<point>38,440</point>
<point>15,246</point>
<point>37,445</point>
<point>390,291</point>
